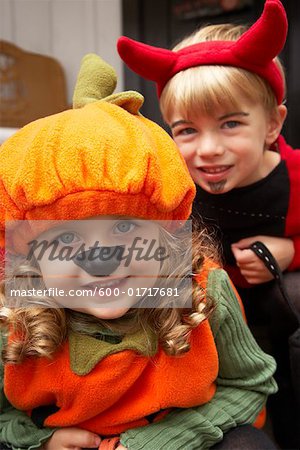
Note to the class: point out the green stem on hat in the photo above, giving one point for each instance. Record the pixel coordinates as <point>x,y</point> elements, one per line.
<point>96,80</point>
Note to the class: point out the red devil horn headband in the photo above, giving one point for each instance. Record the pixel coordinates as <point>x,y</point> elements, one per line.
<point>253,51</point>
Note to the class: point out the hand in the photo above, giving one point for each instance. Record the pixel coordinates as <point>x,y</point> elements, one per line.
<point>121,447</point>
<point>72,439</point>
<point>251,267</point>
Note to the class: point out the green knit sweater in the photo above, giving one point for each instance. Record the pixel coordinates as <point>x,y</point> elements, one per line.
<point>243,384</point>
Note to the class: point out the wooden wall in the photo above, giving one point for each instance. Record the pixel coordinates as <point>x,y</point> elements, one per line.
<point>64,29</point>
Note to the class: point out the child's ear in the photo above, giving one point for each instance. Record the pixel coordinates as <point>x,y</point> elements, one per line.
<point>276,121</point>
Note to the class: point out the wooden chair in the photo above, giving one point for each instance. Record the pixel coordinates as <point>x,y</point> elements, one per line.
<point>31,86</point>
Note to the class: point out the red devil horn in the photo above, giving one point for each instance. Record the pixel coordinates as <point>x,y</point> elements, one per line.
<point>152,63</point>
<point>266,38</point>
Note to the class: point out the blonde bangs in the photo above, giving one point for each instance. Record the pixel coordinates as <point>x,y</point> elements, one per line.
<point>206,90</point>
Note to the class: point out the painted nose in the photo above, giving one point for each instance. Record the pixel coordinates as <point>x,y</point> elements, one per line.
<point>100,261</point>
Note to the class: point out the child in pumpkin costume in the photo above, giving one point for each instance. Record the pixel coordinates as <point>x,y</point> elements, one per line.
<point>78,374</point>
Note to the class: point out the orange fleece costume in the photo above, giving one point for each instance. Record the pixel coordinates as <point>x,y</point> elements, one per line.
<point>103,158</point>
<point>118,392</point>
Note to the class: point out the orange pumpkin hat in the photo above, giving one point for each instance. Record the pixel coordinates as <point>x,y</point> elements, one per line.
<point>100,158</point>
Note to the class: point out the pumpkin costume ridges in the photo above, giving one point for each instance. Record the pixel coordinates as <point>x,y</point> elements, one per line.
<point>104,158</point>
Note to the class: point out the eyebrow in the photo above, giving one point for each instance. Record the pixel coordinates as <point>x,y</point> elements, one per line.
<point>232,114</point>
<point>180,122</point>
<point>51,232</point>
<point>225,116</point>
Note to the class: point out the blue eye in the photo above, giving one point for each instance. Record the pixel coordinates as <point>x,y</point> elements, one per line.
<point>231,124</point>
<point>123,227</point>
<point>189,130</point>
<point>186,131</point>
<point>67,238</point>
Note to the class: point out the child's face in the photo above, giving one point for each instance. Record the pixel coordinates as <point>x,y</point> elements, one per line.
<point>227,150</point>
<point>115,282</point>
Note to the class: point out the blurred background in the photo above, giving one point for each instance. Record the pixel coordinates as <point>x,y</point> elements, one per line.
<point>63,31</point>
